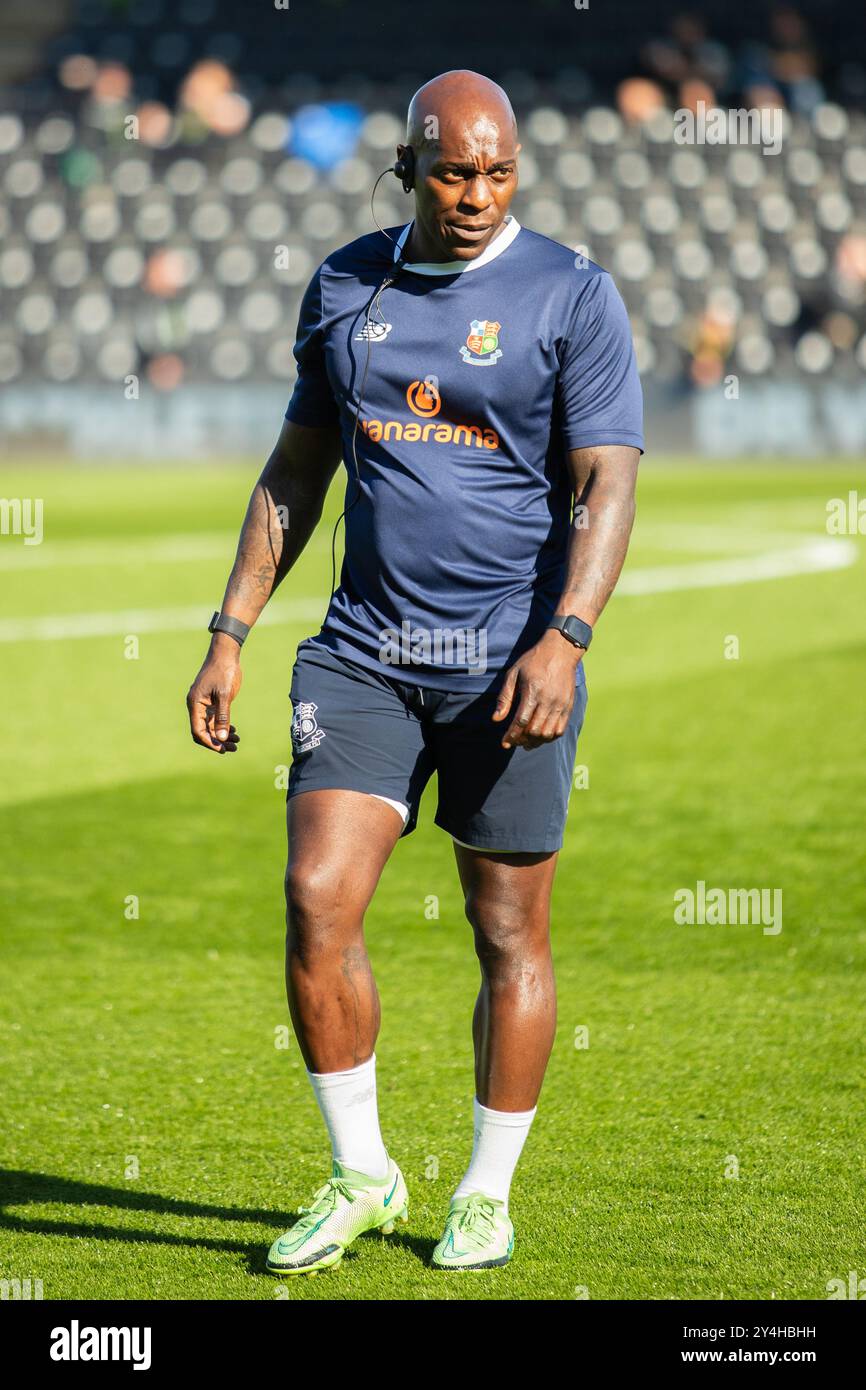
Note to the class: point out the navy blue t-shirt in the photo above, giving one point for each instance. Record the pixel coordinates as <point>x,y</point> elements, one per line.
<point>480,376</point>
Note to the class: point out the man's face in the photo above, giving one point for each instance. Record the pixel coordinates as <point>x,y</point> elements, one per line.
<point>464,183</point>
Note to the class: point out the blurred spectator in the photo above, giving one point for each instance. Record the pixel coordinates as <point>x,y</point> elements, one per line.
<point>787,65</point>
<point>851,267</point>
<point>78,72</point>
<point>695,90</point>
<point>211,101</point>
<point>111,85</point>
<point>638,99</point>
<point>783,71</point>
<point>763,97</point>
<point>154,123</point>
<point>165,371</point>
<point>711,342</point>
<point>687,55</point>
<point>164,273</point>
<point>794,61</point>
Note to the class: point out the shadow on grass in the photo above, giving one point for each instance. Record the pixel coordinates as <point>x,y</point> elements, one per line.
<point>19,1188</point>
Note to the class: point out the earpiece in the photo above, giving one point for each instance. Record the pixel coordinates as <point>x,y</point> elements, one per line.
<point>404,170</point>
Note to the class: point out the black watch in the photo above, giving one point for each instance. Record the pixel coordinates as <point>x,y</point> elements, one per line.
<point>232,627</point>
<point>574,630</point>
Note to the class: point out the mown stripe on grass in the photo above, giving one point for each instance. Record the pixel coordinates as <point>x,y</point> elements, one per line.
<point>812,558</point>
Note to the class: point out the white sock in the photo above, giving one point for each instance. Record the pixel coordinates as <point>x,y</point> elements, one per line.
<point>499,1139</point>
<point>347,1100</point>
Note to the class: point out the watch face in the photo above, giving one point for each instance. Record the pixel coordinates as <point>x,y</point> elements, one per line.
<point>578,631</point>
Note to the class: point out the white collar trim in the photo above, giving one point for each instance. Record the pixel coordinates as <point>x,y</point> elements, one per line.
<point>497,246</point>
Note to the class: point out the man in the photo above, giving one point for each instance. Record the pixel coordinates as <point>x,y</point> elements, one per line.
<point>477,379</point>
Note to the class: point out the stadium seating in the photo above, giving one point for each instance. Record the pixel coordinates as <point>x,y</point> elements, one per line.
<point>178,245</point>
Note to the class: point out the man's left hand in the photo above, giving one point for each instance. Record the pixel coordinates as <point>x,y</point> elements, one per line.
<point>542,683</point>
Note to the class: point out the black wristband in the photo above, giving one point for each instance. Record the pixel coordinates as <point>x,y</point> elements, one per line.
<point>573,629</point>
<point>232,627</point>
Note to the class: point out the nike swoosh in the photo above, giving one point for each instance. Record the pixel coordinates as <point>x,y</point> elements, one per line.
<point>288,1247</point>
<point>455,1254</point>
<point>391,1193</point>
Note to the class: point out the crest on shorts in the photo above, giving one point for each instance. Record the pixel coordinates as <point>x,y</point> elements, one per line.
<point>482,343</point>
<point>306,733</point>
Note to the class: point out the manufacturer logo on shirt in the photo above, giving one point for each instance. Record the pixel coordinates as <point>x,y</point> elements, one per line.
<point>482,343</point>
<point>306,733</point>
<point>373,333</point>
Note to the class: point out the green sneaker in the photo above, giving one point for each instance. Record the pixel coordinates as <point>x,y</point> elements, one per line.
<point>346,1206</point>
<point>478,1235</point>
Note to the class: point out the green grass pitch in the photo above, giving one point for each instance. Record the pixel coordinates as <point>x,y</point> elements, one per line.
<point>708,1141</point>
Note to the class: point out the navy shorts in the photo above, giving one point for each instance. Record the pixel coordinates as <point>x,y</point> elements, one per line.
<point>355,729</point>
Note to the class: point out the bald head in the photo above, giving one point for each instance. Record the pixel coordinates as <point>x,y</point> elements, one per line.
<point>463,137</point>
<point>454,102</point>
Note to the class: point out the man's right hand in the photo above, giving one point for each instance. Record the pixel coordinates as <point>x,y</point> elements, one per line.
<point>210,696</point>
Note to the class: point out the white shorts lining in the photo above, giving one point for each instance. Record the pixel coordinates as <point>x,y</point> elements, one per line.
<point>485,849</point>
<point>401,809</point>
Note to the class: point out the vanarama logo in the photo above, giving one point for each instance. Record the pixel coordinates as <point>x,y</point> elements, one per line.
<point>423,399</point>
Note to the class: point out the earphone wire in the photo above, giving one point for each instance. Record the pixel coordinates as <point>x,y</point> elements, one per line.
<point>374,303</point>
<point>389,170</point>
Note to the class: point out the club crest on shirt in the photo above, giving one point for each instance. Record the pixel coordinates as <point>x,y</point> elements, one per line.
<point>306,733</point>
<point>482,343</point>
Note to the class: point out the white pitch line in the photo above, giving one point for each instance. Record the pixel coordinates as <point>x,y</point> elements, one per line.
<point>176,548</point>
<point>813,557</point>
<point>58,627</point>
<point>722,542</point>
<point>170,549</point>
